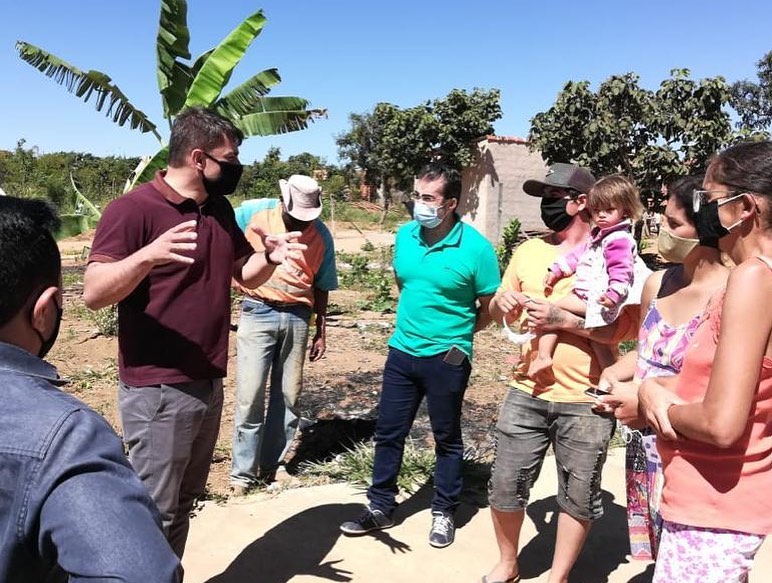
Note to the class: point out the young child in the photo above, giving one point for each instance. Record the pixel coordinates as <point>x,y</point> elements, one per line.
<point>605,267</point>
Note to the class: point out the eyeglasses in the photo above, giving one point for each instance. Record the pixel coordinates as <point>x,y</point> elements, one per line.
<point>425,197</point>
<point>702,197</point>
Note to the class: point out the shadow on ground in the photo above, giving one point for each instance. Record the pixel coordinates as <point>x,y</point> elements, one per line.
<point>606,548</point>
<point>299,544</point>
<point>296,546</point>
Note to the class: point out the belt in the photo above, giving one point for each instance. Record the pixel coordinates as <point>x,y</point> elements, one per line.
<point>275,303</point>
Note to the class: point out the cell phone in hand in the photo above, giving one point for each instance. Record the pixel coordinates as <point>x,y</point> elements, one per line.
<point>595,392</point>
<point>454,356</point>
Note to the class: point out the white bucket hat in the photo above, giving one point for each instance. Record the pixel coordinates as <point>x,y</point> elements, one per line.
<point>302,197</point>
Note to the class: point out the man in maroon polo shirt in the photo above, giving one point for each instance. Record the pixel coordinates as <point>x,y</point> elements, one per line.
<point>166,253</point>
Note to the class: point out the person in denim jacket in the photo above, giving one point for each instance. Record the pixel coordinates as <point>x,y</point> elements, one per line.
<point>71,508</point>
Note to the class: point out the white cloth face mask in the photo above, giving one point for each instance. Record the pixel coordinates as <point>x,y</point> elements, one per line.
<point>517,338</point>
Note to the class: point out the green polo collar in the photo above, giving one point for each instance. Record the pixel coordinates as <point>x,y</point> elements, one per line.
<point>452,239</point>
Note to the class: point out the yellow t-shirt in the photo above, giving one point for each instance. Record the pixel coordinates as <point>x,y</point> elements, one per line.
<point>573,364</point>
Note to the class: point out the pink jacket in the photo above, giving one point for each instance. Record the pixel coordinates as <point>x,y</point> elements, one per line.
<point>618,249</point>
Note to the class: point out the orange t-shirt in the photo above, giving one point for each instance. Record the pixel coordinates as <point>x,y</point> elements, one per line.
<point>707,486</point>
<point>293,281</point>
<point>573,364</point>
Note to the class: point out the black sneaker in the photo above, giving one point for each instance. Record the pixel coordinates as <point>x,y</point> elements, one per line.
<point>368,521</point>
<point>443,529</point>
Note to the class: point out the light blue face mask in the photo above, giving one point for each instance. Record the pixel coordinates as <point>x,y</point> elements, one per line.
<point>427,216</point>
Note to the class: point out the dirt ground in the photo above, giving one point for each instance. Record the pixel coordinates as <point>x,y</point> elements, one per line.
<point>340,391</point>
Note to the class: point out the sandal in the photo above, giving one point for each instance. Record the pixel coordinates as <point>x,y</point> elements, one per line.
<point>515,579</point>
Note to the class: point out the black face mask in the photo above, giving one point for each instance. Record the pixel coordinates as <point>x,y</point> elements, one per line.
<point>554,215</point>
<point>46,344</point>
<point>708,225</point>
<point>226,183</point>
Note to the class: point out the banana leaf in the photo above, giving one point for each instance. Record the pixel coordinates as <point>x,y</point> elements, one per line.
<point>217,69</point>
<point>247,97</point>
<point>81,198</point>
<point>85,84</point>
<point>268,123</point>
<point>147,168</point>
<point>172,42</point>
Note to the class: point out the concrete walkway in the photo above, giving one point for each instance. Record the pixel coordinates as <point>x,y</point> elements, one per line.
<point>293,536</point>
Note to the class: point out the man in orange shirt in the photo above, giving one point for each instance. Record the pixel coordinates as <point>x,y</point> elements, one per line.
<point>273,329</point>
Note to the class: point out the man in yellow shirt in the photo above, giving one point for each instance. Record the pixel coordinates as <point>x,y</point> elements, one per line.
<point>533,415</point>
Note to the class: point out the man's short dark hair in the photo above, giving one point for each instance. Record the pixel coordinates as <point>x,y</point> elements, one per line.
<point>452,177</point>
<point>29,257</point>
<point>202,128</point>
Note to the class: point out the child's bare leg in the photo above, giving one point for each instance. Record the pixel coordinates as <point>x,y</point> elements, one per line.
<point>604,354</point>
<point>540,367</point>
<point>573,304</point>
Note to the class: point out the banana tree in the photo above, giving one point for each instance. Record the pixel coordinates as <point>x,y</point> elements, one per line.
<point>184,84</point>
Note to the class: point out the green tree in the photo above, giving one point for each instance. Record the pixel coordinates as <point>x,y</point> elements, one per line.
<point>185,84</point>
<point>649,135</point>
<point>753,101</point>
<point>389,145</point>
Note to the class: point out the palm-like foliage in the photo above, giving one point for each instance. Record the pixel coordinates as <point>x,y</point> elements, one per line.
<point>86,84</point>
<point>185,85</point>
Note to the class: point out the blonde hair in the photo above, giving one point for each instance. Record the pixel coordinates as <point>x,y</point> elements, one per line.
<point>616,191</point>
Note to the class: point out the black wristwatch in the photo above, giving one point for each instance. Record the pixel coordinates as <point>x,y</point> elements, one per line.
<point>269,260</point>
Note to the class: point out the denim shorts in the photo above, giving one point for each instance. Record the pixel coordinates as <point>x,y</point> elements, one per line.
<point>527,426</point>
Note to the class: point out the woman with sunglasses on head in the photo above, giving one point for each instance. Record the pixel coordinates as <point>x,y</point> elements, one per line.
<point>673,304</point>
<point>713,420</point>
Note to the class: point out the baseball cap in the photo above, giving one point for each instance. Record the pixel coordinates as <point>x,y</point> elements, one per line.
<point>561,175</point>
<point>302,197</point>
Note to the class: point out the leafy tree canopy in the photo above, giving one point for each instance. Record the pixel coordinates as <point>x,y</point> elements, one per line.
<point>753,101</point>
<point>26,172</point>
<point>651,136</point>
<point>389,145</point>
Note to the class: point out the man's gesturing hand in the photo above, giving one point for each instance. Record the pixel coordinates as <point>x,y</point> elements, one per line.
<point>171,245</point>
<point>281,247</point>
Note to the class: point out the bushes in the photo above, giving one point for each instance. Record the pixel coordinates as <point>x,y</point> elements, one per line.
<point>371,272</point>
<point>508,243</point>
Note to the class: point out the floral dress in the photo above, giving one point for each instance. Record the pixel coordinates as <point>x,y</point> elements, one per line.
<point>660,353</point>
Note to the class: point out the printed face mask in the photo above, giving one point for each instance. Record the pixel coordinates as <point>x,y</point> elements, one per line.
<point>226,183</point>
<point>427,216</point>
<point>554,215</point>
<point>708,223</point>
<point>673,248</point>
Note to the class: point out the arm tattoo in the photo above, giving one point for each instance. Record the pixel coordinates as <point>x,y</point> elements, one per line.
<point>555,316</point>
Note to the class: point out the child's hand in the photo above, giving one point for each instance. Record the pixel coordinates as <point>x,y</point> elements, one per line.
<point>606,301</point>
<point>549,282</point>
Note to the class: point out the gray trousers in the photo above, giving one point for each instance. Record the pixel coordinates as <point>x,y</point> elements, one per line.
<point>171,432</point>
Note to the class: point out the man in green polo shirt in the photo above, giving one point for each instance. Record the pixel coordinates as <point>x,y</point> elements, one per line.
<point>447,273</point>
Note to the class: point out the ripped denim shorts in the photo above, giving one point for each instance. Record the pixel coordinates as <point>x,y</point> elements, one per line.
<point>527,426</point>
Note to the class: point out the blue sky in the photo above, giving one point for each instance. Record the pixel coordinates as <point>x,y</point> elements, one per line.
<point>348,56</point>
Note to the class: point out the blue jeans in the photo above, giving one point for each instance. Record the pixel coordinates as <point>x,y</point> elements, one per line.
<point>270,341</point>
<point>406,380</point>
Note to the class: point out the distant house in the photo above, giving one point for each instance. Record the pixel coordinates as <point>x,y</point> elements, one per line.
<point>492,187</point>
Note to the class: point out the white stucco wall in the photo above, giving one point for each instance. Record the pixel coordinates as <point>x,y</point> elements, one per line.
<point>492,188</point>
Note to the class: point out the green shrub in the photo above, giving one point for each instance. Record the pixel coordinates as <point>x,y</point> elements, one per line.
<point>370,272</point>
<point>508,243</point>
<point>355,466</point>
<point>106,320</point>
